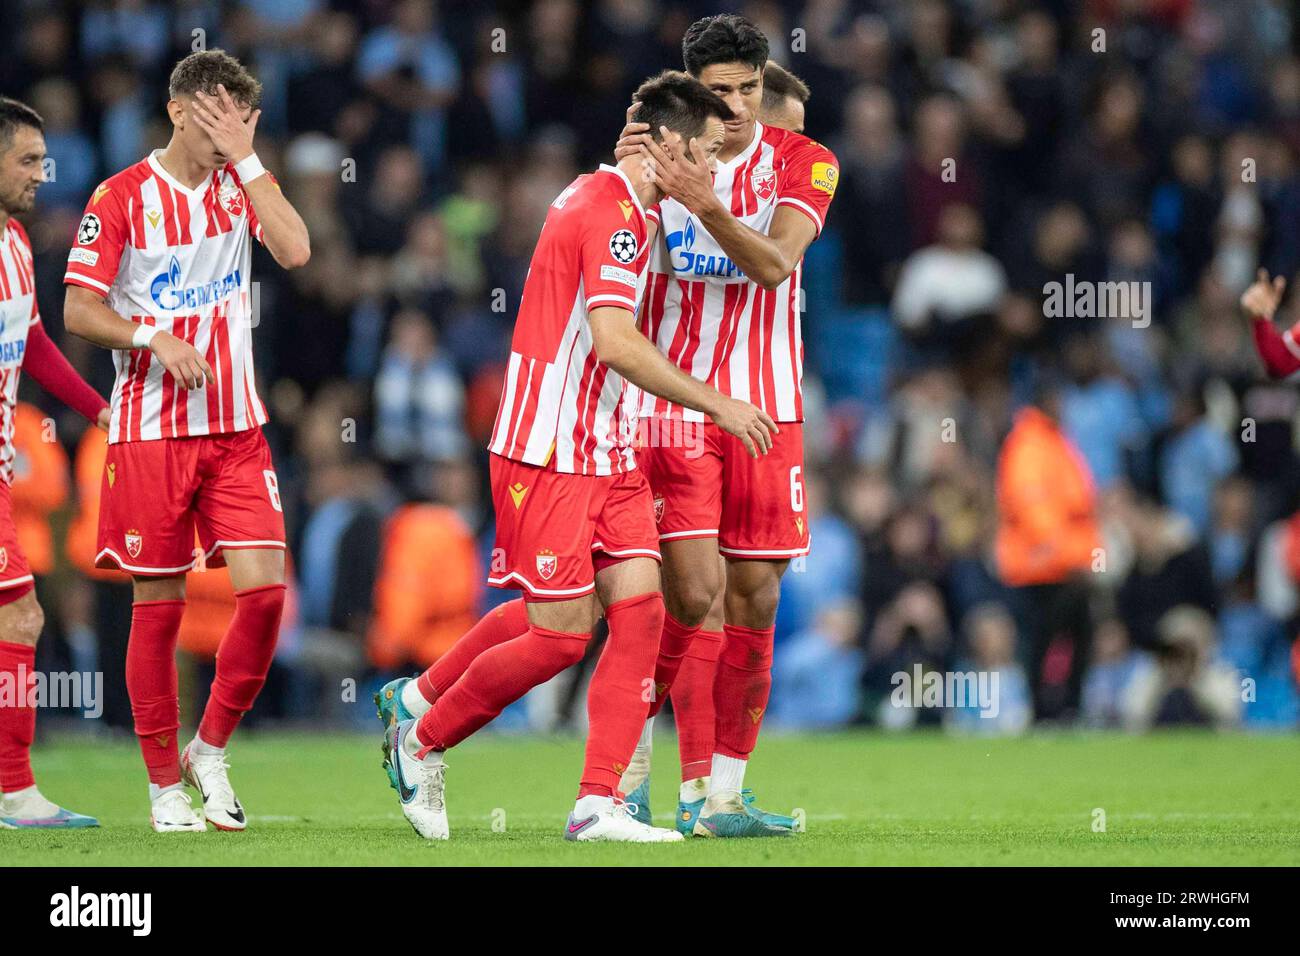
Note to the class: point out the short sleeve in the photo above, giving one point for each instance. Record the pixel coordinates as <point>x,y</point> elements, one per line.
<point>807,181</point>
<point>101,237</point>
<point>613,245</point>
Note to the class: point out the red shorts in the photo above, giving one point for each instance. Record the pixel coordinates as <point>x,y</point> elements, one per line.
<point>156,494</point>
<point>707,486</point>
<point>555,530</point>
<point>15,575</point>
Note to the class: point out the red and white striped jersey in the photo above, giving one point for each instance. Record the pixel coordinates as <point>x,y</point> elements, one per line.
<point>560,407</point>
<point>702,312</point>
<point>18,313</point>
<point>178,258</point>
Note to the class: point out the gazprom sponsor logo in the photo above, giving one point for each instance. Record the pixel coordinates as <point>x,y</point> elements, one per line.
<point>169,294</point>
<point>12,352</point>
<point>685,261</point>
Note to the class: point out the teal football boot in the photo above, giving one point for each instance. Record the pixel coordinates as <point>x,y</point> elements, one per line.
<point>771,819</point>
<point>391,711</point>
<point>62,820</point>
<point>727,815</point>
<point>638,802</point>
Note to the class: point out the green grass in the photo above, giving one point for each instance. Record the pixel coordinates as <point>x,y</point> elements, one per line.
<point>1173,800</point>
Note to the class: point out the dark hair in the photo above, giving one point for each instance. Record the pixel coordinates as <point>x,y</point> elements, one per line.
<point>205,69</point>
<point>726,38</point>
<point>679,102</point>
<point>779,83</point>
<point>14,114</point>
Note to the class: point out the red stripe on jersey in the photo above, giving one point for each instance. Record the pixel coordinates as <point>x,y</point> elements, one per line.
<point>794,342</point>
<point>124,402</point>
<point>523,383</point>
<point>223,218</point>
<point>181,398</point>
<point>137,386</point>
<point>588,403</point>
<point>221,321</point>
<point>743,200</point>
<point>168,201</point>
<point>4,274</point>
<point>730,297</point>
<point>768,403</point>
<point>183,219</point>
<point>213,392</point>
<point>686,359</point>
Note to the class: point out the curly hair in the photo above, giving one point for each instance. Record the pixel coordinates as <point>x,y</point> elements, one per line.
<point>205,69</point>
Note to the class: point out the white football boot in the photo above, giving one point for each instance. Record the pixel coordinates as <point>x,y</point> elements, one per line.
<point>607,819</point>
<point>419,783</point>
<point>172,812</point>
<point>207,773</point>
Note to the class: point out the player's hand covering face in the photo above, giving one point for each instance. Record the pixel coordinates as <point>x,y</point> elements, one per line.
<point>228,126</point>
<point>685,171</point>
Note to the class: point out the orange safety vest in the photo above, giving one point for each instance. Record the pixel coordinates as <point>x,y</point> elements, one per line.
<point>428,589</point>
<point>1047,505</point>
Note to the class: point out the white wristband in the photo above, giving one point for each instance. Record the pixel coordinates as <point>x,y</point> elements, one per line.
<point>249,168</point>
<point>143,335</point>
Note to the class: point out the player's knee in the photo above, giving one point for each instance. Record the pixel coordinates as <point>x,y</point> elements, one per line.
<point>689,601</point>
<point>568,650</point>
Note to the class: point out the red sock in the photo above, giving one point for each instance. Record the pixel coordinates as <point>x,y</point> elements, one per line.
<point>693,710</point>
<point>243,659</point>
<point>151,685</point>
<point>497,626</point>
<point>741,689</point>
<point>494,680</point>
<point>17,721</point>
<point>619,696</point>
<point>675,641</point>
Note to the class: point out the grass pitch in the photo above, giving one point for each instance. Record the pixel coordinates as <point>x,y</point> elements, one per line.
<point>1171,800</point>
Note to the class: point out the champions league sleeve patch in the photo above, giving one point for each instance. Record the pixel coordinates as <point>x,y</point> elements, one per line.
<point>88,230</point>
<point>622,246</point>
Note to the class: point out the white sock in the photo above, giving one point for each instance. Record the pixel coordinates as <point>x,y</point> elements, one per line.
<point>647,735</point>
<point>692,790</point>
<point>413,700</point>
<point>727,774</point>
<point>411,746</point>
<point>29,802</point>
<point>591,803</point>
<point>156,791</point>
<point>638,768</point>
<point>199,746</point>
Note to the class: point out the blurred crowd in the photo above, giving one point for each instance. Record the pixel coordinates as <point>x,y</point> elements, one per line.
<point>1099,508</point>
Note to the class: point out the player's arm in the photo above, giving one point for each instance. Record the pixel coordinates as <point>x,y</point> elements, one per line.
<point>1279,351</point>
<point>86,314</point>
<point>623,348</point>
<point>767,259</point>
<point>44,362</point>
<point>282,230</point>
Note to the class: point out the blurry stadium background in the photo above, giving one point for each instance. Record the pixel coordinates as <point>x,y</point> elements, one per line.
<point>423,142</point>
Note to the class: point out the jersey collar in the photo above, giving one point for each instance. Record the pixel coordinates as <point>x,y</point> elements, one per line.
<point>744,155</point>
<point>606,168</point>
<point>172,181</point>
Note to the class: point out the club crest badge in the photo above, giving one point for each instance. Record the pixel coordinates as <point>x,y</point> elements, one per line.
<point>134,542</point>
<point>4,558</point>
<point>546,564</point>
<point>763,182</point>
<point>231,198</point>
<point>659,510</point>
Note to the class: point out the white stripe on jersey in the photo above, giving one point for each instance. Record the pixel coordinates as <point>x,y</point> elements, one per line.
<point>17,313</point>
